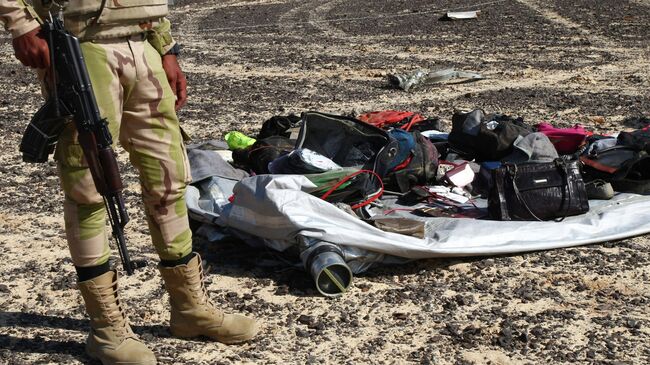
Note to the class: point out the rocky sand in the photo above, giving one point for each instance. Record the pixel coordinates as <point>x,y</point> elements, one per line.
<point>563,61</point>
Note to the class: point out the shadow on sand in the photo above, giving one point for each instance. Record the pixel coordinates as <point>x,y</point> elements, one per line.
<point>38,344</point>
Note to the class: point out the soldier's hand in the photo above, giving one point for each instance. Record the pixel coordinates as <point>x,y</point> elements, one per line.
<point>176,79</point>
<point>32,50</point>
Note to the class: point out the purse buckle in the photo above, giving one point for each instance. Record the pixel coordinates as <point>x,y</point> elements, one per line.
<point>511,169</point>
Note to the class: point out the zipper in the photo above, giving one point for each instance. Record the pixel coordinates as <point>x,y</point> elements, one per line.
<point>597,152</point>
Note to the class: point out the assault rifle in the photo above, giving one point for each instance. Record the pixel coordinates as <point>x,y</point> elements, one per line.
<point>71,98</point>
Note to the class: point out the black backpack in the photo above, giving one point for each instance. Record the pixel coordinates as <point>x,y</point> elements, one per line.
<point>257,157</point>
<point>279,125</point>
<point>625,165</point>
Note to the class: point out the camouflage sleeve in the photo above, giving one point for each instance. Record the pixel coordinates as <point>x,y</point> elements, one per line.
<point>160,36</point>
<point>18,17</point>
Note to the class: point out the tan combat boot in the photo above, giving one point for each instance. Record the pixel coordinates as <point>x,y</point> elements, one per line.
<point>111,340</point>
<point>193,314</point>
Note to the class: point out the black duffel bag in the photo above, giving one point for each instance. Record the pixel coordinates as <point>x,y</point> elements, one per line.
<point>482,137</point>
<point>537,191</point>
<point>350,143</point>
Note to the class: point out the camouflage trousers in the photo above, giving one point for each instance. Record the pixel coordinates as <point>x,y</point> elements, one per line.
<point>133,93</point>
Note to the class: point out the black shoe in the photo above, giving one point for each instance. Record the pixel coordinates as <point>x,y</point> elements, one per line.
<point>599,189</point>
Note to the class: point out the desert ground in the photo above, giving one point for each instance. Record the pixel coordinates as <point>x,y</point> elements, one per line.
<point>563,61</point>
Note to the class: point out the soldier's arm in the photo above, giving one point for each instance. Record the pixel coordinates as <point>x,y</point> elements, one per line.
<point>176,79</point>
<point>18,17</point>
<point>160,37</point>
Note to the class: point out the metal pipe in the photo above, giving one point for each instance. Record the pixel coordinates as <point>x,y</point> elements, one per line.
<point>324,261</point>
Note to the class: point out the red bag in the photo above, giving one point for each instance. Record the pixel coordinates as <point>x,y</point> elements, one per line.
<point>392,118</point>
<point>565,140</point>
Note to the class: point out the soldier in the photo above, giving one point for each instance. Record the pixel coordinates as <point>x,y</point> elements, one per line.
<point>132,63</point>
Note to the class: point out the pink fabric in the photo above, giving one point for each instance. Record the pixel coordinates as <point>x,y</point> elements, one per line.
<point>565,140</point>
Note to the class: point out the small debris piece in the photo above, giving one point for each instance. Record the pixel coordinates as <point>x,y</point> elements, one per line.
<point>423,77</point>
<point>461,15</point>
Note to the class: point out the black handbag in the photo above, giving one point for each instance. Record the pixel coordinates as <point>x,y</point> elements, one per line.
<point>537,191</point>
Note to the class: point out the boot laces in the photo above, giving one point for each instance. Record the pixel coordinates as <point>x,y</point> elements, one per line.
<point>113,310</point>
<point>199,291</point>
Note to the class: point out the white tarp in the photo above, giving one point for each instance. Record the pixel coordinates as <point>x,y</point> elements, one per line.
<point>277,208</point>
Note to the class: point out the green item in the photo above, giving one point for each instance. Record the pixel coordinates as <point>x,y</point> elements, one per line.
<point>326,180</point>
<point>238,140</point>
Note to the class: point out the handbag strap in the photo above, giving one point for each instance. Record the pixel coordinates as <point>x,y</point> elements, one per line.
<point>499,181</point>
<point>512,171</point>
<point>561,165</point>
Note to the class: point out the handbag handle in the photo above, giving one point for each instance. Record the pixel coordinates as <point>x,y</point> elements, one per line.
<point>561,165</point>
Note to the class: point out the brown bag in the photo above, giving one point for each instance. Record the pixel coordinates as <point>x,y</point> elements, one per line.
<point>537,191</point>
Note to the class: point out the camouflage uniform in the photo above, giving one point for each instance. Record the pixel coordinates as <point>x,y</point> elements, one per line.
<point>122,47</point>
<point>17,17</point>
<point>123,42</point>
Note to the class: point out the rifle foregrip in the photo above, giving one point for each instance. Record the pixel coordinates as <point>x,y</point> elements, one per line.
<point>111,171</point>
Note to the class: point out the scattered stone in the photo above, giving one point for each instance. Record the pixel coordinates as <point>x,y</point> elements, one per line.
<point>305,319</point>
<point>302,333</point>
<point>282,290</point>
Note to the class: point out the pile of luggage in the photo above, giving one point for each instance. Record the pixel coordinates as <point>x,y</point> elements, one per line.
<point>397,181</point>
<point>526,172</point>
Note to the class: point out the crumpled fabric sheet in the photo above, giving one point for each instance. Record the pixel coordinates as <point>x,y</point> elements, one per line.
<point>277,208</point>
<point>206,162</point>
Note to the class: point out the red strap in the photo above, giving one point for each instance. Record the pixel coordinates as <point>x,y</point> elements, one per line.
<point>347,178</point>
<point>415,119</point>
<point>597,165</point>
<point>385,118</point>
<point>404,164</point>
